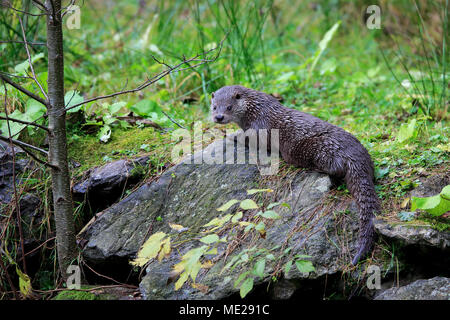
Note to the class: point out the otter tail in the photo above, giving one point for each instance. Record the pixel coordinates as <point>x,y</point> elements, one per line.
<point>359,180</point>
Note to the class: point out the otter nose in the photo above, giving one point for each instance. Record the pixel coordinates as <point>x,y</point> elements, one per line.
<point>219,118</point>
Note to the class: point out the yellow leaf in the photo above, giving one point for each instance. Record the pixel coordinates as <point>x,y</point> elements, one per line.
<point>248,204</point>
<point>165,251</point>
<point>177,227</point>
<point>204,289</point>
<point>227,205</point>
<point>404,203</point>
<point>218,221</point>
<point>443,147</point>
<point>237,217</point>
<point>253,191</point>
<point>181,280</point>
<point>208,264</point>
<point>149,250</point>
<point>212,251</point>
<point>24,283</point>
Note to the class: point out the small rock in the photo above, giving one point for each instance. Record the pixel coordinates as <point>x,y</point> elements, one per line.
<point>104,185</point>
<point>437,288</point>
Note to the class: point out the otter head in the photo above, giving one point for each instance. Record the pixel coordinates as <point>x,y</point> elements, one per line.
<point>228,105</point>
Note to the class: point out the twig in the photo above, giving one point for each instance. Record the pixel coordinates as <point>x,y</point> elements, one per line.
<point>25,122</point>
<point>40,4</point>
<point>106,277</point>
<point>13,288</point>
<point>23,144</point>
<point>23,90</point>
<point>172,120</point>
<point>32,155</point>
<point>30,43</point>
<point>24,12</point>
<point>16,198</point>
<point>160,75</point>
<point>30,62</point>
<point>65,12</point>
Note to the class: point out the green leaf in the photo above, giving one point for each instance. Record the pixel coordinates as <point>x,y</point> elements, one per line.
<point>258,269</point>
<point>23,67</point>
<point>323,44</point>
<point>304,266</point>
<point>240,278</point>
<point>210,239</point>
<point>261,228</point>
<point>445,193</point>
<point>287,205</point>
<point>407,131</point>
<point>248,204</point>
<point>249,227</point>
<point>227,205</point>
<point>145,108</point>
<point>246,287</point>
<point>270,257</point>
<point>434,205</point>
<point>287,267</point>
<point>328,66</point>
<point>104,134</point>
<point>237,217</point>
<point>381,172</point>
<point>72,98</point>
<point>115,107</point>
<point>274,204</point>
<point>34,109</point>
<point>270,214</point>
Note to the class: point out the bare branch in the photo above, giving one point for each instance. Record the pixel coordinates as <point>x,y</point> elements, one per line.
<point>30,62</point>
<point>24,122</point>
<point>170,118</point>
<point>23,145</point>
<point>21,11</point>
<point>23,90</point>
<point>66,9</point>
<point>14,75</point>
<point>39,3</point>
<point>30,43</point>
<point>170,69</point>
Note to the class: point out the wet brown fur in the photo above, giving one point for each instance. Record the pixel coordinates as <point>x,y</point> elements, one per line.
<point>309,142</point>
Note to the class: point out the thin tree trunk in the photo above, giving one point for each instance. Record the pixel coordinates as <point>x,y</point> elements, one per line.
<point>62,199</point>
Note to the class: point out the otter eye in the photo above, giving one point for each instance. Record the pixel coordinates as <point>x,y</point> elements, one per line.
<point>237,96</point>
<point>214,108</point>
<point>229,108</point>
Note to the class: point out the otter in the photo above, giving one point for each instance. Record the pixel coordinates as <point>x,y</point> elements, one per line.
<point>308,142</point>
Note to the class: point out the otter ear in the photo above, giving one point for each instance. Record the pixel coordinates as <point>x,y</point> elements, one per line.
<point>212,95</point>
<point>237,96</point>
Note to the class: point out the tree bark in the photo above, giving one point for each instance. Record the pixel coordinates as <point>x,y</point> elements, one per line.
<point>62,199</point>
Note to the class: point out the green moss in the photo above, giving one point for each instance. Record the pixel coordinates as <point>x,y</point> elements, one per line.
<point>437,223</point>
<point>75,295</point>
<point>89,151</point>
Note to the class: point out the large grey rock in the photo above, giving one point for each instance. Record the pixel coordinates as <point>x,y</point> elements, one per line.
<point>437,288</point>
<point>189,194</point>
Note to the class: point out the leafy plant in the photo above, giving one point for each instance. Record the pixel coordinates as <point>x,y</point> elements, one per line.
<point>436,205</point>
